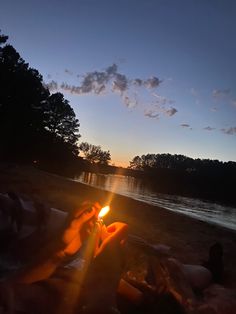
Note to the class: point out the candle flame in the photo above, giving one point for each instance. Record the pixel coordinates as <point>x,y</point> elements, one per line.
<point>103,211</point>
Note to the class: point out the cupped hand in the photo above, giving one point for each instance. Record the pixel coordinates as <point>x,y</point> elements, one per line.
<point>79,225</point>
<point>104,273</point>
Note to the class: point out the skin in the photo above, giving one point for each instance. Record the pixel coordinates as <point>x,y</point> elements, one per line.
<point>79,226</point>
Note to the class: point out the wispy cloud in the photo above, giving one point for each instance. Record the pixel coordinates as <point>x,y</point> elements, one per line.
<point>130,102</point>
<point>220,93</point>
<point>156,112</point>
<point>193,92</point>
<point>185,125</point>
<point>120,83</point>
<point>229,131</point>
<point>214,109</point>
<point>152,82</point>
<point>111,80</point>
<point>138,82</point>
<point>98,81</point>
<point>161,100</point>
<point>151,114</point>
<point>208,128</point>
<point>68,72</point>
<point>196,94</point>
<point>170,112</point>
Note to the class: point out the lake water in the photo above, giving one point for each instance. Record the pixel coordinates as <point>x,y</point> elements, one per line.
<point>134,188</point>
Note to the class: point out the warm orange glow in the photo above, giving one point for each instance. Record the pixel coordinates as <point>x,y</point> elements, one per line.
<point>103,211</point>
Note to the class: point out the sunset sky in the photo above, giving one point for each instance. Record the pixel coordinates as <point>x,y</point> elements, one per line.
<point>143,76</point>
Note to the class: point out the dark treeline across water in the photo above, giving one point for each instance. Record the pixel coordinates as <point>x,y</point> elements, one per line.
<point>212,180</point>
<point>178,174</point>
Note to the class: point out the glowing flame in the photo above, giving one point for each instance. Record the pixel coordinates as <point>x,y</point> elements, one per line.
<point>103,211</point>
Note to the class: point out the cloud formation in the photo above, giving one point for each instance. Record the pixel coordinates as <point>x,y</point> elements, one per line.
<point>170,112</point>
<point>220,93</point>
<point>229,131</point>
<point>152,82</point>
<point>130,102</point>
<point>155,112</point>
<point>97,81</point>
<point>161,100</point>
<point>151,114</point>
<point>208,128</point>
<point>68,72</point>
<point>185,125</point>
<point>120,83</point>
<point>111,80</point>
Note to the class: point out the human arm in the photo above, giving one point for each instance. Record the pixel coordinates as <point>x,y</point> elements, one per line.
<point>77,227</point>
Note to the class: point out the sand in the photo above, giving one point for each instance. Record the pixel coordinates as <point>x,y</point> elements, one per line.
<point>188,238</point>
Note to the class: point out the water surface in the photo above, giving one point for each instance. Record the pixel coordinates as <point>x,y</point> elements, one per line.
<point>135,188</point>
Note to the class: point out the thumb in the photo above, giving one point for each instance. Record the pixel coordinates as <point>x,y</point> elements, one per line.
<point>117,233</point>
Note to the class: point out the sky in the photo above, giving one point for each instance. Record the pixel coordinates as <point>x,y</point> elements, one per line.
<point>143,76</point>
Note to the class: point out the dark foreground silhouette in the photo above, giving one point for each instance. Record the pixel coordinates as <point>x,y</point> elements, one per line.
<point>78,264</point>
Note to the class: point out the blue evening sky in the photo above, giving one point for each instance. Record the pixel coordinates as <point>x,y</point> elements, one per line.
<point>143,76</point>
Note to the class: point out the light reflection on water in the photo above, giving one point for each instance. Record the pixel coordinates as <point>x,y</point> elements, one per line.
<point>134,188</point>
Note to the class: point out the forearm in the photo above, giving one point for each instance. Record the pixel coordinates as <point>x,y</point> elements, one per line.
<point>37,270</point>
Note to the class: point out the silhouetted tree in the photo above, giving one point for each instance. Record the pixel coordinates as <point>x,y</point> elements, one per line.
<point>95,154</point>
<point>136,163</point>
<point>3,39</point>
<point>61,121</point>
<point>33,123</point>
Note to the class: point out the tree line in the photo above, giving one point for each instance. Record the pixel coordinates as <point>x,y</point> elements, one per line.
<point>94,154</point>
<point>181,175</point>
<point>36,126</point>
<point>180,162</point>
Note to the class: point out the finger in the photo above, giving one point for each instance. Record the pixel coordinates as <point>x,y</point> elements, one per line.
<point>104,233</point>
<point>85,206</point>
<point>86,216</point>
<point>115,237</point>
<point>97,207</point>
<point>117,230</point>
<point>76,226</point>
<point>115,226</point>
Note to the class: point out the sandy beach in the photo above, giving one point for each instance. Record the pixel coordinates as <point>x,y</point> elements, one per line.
<point>188,238</point>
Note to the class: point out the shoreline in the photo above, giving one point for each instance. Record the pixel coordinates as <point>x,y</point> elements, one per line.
<point>188,237</point>
<point>210,223</point>
<point>226,228</point>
